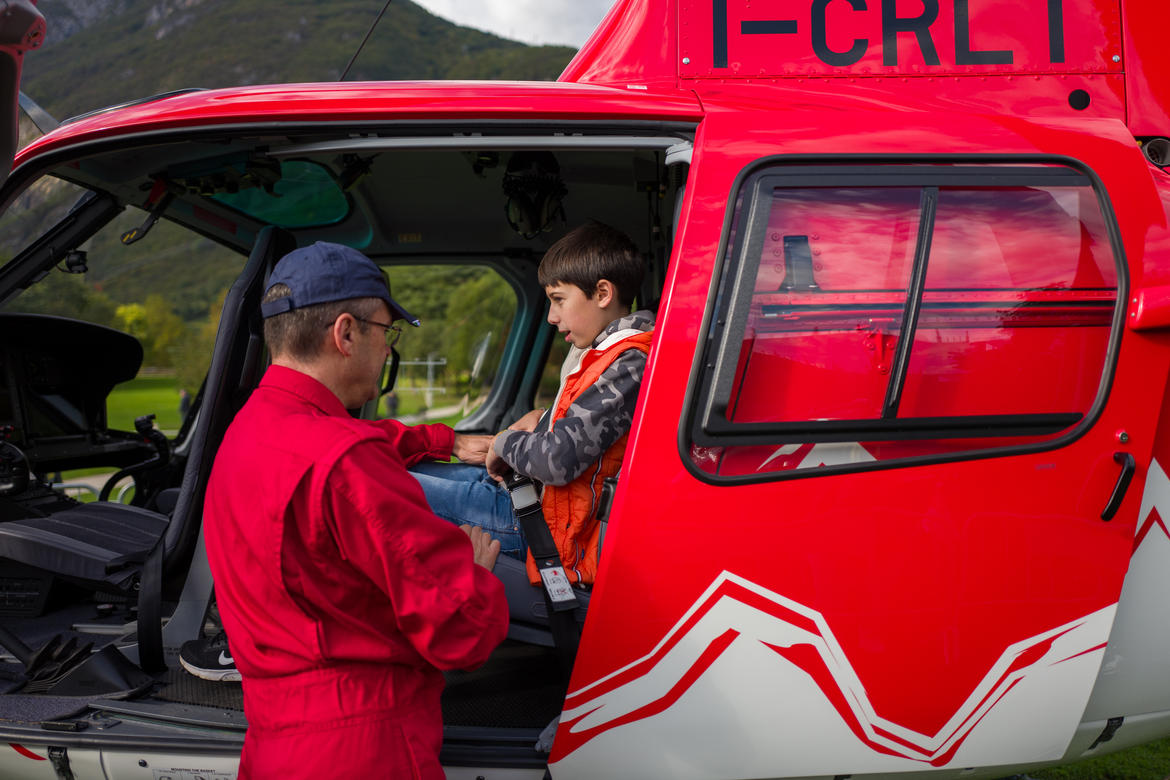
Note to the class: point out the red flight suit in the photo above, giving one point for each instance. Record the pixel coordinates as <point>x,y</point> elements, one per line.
<point>343,596</point>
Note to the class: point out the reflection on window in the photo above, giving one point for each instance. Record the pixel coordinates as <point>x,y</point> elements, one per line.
<point>1019,298</point>
<point>305,195</point>
<point>834,264</point>
<point>906,320</point>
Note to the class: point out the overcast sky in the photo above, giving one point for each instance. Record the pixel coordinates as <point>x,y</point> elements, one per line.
<point>567,22</point>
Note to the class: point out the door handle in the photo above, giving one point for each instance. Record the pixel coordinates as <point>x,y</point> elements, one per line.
<point>1128,467</point>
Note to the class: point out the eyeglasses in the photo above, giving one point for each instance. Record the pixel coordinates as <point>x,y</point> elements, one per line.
<point>393,332</point>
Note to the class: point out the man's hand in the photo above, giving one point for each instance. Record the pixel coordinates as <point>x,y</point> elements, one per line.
<point>527,422</point>
<point>471,449</point>
<point>484,548</point>
<point>497,467</point>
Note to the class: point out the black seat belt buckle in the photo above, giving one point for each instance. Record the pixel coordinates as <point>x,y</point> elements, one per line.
<point>556,585</point>
<point>526,505</point>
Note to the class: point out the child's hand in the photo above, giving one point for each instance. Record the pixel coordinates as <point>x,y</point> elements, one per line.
<point>497,467</point>
<point>528,422</point>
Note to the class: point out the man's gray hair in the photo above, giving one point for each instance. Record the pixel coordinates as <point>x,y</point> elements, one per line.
<point>300,333</point>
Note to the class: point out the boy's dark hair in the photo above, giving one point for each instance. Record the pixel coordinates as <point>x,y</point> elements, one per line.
<point>592,252</point>
<point>300,333</point>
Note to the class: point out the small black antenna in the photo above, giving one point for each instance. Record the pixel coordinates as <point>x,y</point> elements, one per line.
<point>369,32</point>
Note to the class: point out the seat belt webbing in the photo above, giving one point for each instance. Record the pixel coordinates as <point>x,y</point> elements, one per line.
<point>558,591</point>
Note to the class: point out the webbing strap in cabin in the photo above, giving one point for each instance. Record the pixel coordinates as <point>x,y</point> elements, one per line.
<point>558,591</point>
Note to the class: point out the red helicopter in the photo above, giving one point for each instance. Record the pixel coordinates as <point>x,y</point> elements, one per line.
<point>893,498</point>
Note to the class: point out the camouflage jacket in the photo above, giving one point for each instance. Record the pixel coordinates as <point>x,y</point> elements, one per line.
<point>600,416</point>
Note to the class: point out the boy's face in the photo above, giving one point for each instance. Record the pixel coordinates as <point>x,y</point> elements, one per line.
<point>579,317</point>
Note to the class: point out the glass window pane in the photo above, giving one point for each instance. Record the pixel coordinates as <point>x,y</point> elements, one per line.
<point>45,203</point>
<point>448,364</point>
<point>827,307</point>
<point>110,334</point>
<point>1013,318</point>
<point>550,377</point>
<point>1018,305</point>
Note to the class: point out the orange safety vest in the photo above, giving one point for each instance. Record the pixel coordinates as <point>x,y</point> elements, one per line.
<point>571,510</point>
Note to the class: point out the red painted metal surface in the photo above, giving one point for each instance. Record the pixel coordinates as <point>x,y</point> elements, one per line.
<point>737,39</point>
<point>1105,57</point>
<point>1151,309</point>
<point>1147,68</point>
<point>636,43</point>
<point>924,574</point>
<point>740,39</point>
<point>372,102</point>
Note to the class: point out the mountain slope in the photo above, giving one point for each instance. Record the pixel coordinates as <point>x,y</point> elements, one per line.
<point>102,52</point>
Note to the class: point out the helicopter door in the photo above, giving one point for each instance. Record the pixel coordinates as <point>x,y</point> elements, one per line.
<point>899,531</point>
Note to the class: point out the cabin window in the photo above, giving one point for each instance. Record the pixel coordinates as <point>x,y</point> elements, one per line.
<point>550,376</point>
<point>448,365</point>
<point>889,312</point>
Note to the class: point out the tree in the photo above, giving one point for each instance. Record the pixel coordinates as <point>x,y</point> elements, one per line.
<point>131,318</point>
<point>66,295</point>
<point>155,325</point>
<point>458,305</point>
<point>191,356</point>
<point>479,314</point>
<point>166,331</point>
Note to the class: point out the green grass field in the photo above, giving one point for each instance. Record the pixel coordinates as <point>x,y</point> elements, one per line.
<point>156,394</point>
<point>1144,762</point>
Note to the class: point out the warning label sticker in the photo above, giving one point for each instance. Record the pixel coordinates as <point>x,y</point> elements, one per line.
<point>556,582</point>
<point>176,773</point>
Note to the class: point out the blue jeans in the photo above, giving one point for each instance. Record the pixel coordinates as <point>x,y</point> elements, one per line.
<point>466,495</point>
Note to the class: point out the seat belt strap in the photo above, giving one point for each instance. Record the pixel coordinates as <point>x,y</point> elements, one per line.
<point>558,591</point>
<point>526,506</point>
<point>150,644</point>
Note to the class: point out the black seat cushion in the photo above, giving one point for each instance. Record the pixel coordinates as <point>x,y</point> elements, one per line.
<point>526,606</point>
<point>97,542</point>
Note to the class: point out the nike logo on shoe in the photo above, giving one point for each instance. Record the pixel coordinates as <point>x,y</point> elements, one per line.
<point>225,659</point>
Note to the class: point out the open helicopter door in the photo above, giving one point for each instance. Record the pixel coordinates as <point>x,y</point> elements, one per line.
<point>877,508</point>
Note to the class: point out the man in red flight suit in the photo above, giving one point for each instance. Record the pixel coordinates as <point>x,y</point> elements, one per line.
<point>343,594</point>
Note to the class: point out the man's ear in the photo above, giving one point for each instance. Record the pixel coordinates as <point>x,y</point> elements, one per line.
<point>605,293</point>
<point>342,334</point>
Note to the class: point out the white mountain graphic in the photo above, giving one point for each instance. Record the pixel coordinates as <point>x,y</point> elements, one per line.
<point>735,619</point>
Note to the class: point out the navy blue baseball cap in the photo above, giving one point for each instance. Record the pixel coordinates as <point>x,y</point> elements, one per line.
<point>323,273</point>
